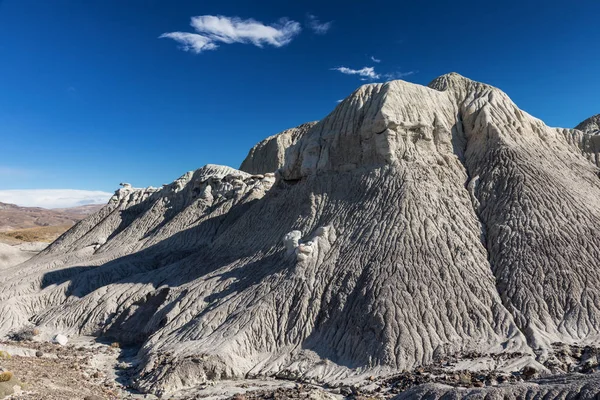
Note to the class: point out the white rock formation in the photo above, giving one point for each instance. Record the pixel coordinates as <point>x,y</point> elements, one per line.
<point>61,339</point>
<point>269,154</point>
<point>424,222</point>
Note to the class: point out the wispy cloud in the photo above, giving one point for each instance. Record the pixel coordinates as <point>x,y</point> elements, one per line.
<point>318,27</point>
<point>376,60</point>
<point>191,41</point>
<point>53,198</point>
<point>365,72</point>
<point>211,31</point>
<point>398,75</point>
<point>369,73</point>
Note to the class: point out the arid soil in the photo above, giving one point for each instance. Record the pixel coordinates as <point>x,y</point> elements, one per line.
<point>53,372</point>
<point>14,217</point>
<point>46,234</point>
<point>34,224</point>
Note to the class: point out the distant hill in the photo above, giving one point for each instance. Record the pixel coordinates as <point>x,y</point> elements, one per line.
<point>39,224</point>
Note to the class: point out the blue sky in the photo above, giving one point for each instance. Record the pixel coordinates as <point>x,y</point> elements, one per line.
<point>90,96</point>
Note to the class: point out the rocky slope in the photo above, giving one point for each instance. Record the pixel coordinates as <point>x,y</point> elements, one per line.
<point>591,124</point>
<point>11,255</point>
<point>411,225</point>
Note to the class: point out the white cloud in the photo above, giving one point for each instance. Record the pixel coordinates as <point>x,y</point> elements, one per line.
<point>318,27</point>
<point>53,198</point>
<point>213,30</point>
<point>368,73</point>
<point>365,72</point>
<point>376,60</point>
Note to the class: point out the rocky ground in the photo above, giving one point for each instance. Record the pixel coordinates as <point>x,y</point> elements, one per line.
<point>86,369</point>
<point>51,371</point>
<point>89,370</point>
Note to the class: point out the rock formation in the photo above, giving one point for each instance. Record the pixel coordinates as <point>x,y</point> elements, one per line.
<point>269,154</point>
<point>410,225</point>
<point>591,124</point>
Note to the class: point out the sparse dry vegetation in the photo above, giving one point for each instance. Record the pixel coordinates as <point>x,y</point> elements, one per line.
<point>6,376</point>
<point>38,234</point>
<point>24,334</point>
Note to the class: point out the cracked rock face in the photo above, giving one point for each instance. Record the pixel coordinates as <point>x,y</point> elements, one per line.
<point>411,224</point>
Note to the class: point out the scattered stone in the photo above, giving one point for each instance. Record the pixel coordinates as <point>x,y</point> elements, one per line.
<point>61,339</point>
<point>529,372</point>
<point>464,378</point>
<point>23,334</point>
<point>93,397</point>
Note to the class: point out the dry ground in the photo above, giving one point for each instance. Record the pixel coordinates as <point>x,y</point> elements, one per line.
<point>64,373</point>
<point>46,234</point>
<point>14,217</point>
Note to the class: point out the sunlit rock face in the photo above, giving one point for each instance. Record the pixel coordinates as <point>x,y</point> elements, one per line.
<point>269,154</point>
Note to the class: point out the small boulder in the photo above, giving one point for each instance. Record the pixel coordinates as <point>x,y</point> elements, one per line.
<point>529,372</point>
<point>61,339</point>
<point>465,378</point>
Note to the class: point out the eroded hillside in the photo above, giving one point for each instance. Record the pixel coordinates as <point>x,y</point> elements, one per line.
<point>411,225</point>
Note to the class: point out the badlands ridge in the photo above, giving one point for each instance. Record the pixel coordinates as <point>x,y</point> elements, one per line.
<point>410,226</point>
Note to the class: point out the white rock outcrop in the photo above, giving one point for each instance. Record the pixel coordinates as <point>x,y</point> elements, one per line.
<point>269,154</point>
<point>424,222</point>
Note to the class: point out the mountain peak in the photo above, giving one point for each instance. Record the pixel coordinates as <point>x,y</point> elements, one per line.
<point>590,125</point>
